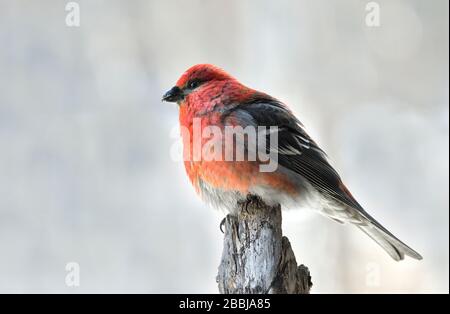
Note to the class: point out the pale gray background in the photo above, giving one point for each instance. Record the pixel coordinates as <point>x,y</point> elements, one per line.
<point>85,167</point>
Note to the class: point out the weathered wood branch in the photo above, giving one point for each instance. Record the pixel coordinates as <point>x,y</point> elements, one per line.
<point>256,258</point>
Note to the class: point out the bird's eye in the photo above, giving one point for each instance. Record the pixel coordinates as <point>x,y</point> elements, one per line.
<point>193,84</point>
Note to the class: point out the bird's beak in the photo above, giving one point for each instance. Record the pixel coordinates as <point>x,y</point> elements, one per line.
<point>173,95</point>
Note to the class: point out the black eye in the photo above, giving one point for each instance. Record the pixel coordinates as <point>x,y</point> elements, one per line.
<point>193,84</point>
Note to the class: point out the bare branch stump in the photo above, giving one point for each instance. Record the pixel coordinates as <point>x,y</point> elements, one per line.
<point>256,258</point>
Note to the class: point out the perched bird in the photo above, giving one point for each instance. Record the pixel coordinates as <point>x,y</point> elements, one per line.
<point>209,98</point>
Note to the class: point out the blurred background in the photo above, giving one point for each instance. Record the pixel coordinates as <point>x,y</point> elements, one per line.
<point>86,173</point>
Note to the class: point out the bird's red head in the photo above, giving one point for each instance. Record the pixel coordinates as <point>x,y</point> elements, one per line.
<point>194,77</point>
<point>202,73</point>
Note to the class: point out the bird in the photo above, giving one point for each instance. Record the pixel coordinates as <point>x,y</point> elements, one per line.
<point>210,99</point>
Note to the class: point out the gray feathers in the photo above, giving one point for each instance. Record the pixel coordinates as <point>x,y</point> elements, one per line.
<point>307,165</point>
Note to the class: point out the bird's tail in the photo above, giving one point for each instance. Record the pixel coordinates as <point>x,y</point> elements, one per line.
<point>393,246</point>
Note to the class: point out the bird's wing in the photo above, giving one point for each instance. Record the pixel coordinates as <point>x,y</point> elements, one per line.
<point>297,151</point>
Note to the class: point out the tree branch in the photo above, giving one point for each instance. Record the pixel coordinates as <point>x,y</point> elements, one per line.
<point>256,258</point>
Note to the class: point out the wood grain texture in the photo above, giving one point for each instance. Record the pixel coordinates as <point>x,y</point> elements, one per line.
<point>256,258</point>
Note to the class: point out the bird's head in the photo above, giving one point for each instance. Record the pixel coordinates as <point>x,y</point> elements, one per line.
<point>193,79</point>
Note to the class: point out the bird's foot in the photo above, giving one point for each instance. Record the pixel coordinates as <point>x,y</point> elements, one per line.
<point>222,223</point>
<point>251,200</point>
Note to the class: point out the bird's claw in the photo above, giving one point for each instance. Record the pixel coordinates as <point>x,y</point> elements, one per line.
<point>250,199</point>
<point>222,223</point>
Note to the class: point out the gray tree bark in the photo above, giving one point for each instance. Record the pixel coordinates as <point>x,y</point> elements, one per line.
<point>256,258</point>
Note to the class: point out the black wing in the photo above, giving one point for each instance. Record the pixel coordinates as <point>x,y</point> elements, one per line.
<point>297,151</point>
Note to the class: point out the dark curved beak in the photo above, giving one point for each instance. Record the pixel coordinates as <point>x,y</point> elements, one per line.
<point>173,95</point>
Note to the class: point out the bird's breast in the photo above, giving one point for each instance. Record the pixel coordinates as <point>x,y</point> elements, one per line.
<point>213,166</point>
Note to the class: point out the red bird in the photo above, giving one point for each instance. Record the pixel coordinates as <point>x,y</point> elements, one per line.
<point>211,99</point>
